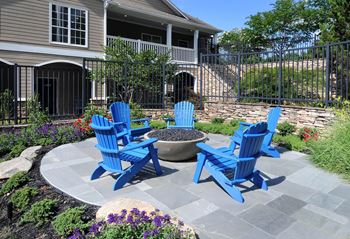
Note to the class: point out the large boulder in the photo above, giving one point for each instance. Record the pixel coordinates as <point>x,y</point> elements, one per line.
<point>116,206</point>
<point>31,152</point>
<point>9,168</point>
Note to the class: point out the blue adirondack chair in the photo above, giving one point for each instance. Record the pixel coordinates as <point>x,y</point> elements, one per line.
<point>137,154</point>
<point>121,113</point>
<point>229,169</point>
<point>272,121</point>
<point>184,116</point>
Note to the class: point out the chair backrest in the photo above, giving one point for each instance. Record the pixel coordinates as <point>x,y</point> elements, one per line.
<point>184,111</point>
<point>121,113</point>
<point>272,122</point>
<point>107,141</point>
<point>250,149</point>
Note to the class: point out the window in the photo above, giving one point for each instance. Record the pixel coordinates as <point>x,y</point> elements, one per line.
<point>151,38</point>
<point>183,43</point>
<point>68,25</point>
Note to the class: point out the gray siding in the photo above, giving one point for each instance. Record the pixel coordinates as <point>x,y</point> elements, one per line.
<point>27,21</point>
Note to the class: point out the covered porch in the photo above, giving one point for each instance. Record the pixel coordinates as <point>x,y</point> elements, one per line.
<point>183,43</point>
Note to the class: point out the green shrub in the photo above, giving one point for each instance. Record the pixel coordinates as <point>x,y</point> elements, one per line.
<point>136,111</point>
<point>22,197</point>
<point>225,129</point>
<point>157,124</point>
<point>15,181</point>
<point>36,115</point>
<point>290,142</point>
<point>17,150</point>
<point>235,122</point>
<point>217,120</point>
<point>67,221</point>
<point>331,152</point>
<point>286,128</point>
<point>40,212</point>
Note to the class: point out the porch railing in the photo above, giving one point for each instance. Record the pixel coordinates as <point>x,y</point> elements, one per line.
<point>180,54</point>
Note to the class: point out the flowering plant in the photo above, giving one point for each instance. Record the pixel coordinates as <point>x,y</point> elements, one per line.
<point>84,121</point>
<point>136,224</point>
<point>307,134</point>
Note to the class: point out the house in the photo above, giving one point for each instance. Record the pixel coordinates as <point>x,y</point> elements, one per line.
<point>43,43</point>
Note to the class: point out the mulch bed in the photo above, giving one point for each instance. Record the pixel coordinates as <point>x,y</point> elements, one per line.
<point>11,229</point>
<point>176,134</point>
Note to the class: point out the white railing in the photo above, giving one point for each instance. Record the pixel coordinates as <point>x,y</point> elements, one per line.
<point>180,54</point>
<point>183,54</point>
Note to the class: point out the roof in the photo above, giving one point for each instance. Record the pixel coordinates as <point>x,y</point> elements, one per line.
<point>163,11</point>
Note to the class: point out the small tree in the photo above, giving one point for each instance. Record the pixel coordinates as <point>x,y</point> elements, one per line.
<point>131,74</point>
<point>6,103</point>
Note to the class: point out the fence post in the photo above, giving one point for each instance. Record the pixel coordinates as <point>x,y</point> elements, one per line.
<point>239,76</point>
<point>201,81</point>
<point>83,93</point>
<point>280,77</point>
<point>15,93</point>
<point>327,73</point>
<point>164,86</point>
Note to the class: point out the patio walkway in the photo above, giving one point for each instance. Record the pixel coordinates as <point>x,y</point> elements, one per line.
<point>302,201</point>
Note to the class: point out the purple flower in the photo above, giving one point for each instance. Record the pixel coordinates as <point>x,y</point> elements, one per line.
<point>135,211</point>
<point>94,229</point>
<point>166,217</point>
<point>157,221</point>
<point>76,234</point>
<point>154,232</point>
<point>146,234</point>
<point>112,218</point>
<point>130,219</point>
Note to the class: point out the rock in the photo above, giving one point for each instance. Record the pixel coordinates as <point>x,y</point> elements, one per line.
<point>31,152</point>
<point>127,203</point>
<point>123,203</point>
<point>9,168</point>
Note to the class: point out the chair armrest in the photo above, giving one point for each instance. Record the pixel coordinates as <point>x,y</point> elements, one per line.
<point>143,144</point>
<point>208,149</point>
<point>139,120</point>
<point>245,124</point>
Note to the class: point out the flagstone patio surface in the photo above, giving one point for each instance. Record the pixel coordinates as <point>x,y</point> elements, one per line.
<point>302,201</point>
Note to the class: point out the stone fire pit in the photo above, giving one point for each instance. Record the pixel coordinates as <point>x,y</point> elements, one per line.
<point>177,144</point>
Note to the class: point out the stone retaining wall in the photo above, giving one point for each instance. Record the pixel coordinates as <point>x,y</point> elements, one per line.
<point>299,116</point>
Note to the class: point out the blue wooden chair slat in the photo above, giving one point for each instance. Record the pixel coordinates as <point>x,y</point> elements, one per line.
<point>228,169</point>
<point>138,155</point>
<point>267,148</point>
<point>121,113</point>
<point>183,116</point>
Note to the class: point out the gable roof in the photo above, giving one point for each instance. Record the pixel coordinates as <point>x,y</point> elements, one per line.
<point>163,11</point>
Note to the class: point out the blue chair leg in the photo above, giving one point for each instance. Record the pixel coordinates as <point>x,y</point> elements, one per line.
<point>270,151</point>
<point>97,172</point>
<point>155,161</point>
<point>199,168</point>
<point>233,191</point>
<point>259,181</point>
<point>129,174</point>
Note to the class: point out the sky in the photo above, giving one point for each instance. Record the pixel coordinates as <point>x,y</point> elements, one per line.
<point>224,14</point>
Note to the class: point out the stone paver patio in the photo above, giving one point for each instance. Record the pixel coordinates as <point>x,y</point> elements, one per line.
<point>302,201</point>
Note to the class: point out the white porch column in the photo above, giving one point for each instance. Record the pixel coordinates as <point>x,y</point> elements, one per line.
<point>195,45</point>
<point>215,39</point>
<point>105,4</point>
<point>169,34</point>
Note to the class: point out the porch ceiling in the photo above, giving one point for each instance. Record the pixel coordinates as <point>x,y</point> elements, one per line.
<point>156,17</point>
<point>149,23</point>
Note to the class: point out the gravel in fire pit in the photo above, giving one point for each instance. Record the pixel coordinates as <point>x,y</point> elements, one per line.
<point>176,134</point>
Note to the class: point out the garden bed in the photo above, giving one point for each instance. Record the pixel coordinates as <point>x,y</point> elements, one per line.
<point>13,229</point>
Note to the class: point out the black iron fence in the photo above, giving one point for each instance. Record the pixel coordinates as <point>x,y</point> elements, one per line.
<point>59,89</point>
<point>315,76</point>
<point>153,86</point>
